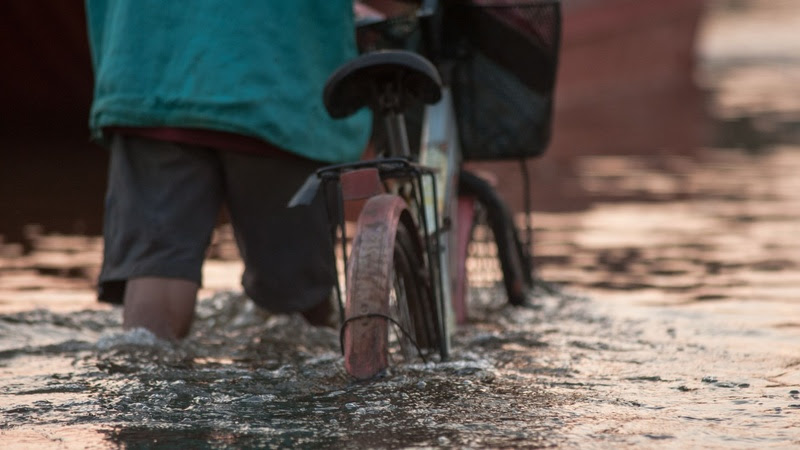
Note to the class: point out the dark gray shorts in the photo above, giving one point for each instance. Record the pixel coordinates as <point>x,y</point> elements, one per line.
<point>162,204</point>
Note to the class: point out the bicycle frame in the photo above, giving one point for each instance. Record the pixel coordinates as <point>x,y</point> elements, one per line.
<point>404,200</point>
<point>432,176</point>
<point>435,185</point>
<point>413,209</point>
<point>439,149</point>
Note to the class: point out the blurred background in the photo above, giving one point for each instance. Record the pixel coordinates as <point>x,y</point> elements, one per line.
<point>665,80</point>
<point>650,80</point>
<point>626,85</point>
<point>666,214</point>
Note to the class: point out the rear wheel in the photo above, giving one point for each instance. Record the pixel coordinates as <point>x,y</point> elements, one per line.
<point>391,315</point>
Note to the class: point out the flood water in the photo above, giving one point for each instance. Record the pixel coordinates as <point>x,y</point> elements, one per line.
<point>667,315</point>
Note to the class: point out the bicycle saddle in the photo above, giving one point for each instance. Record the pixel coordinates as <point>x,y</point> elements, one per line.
<point>385,81</point>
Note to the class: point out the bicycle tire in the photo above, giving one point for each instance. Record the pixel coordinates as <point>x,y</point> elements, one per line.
<point>515,263</point>
<point>388,281</point>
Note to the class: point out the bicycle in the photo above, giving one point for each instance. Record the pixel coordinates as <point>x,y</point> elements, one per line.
<point>414,204</point>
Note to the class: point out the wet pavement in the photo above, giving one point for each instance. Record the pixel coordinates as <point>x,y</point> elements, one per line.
<point>667,315</point>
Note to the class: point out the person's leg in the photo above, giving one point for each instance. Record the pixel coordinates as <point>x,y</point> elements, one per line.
<point>161,207</point>
<point>288,254</point>
<point>165,306</point>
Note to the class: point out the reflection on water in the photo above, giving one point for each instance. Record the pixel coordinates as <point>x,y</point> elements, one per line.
<point>669,316</point>
<point>675,323</point>
<point>633,368</point>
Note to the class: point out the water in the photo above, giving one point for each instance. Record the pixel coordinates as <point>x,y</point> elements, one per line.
<point>668,316</point>
<point>243,379</point>
<point>573,372</point>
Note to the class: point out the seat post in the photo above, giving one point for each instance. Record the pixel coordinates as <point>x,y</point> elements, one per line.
<point>396,131</point>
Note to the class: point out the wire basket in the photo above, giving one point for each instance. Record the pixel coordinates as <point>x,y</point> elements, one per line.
<point>504,77</point>
<point>504,56</point>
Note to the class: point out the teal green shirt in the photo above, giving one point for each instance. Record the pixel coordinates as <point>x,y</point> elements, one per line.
<point>252,67</point>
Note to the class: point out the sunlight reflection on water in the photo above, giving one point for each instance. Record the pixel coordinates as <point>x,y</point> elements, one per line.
<point>669,319</point>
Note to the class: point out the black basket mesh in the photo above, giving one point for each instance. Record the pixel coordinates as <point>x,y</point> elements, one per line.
<point>504,55</point>
<point>504,77</point>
